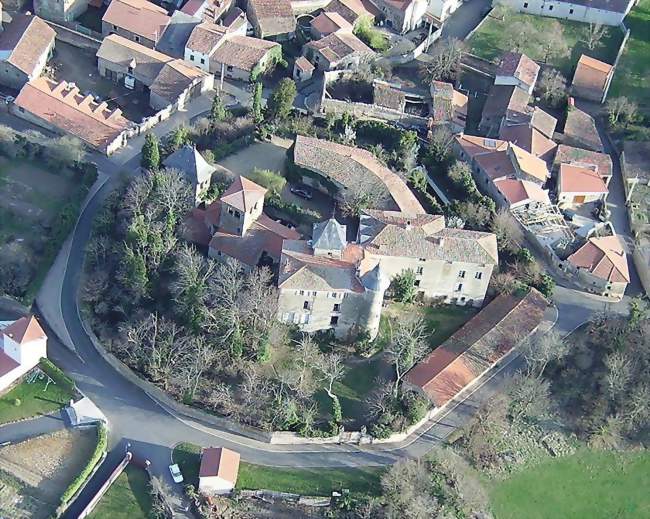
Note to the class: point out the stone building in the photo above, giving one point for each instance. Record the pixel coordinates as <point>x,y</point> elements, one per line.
<point>60,10</point>
<point>25,46</point>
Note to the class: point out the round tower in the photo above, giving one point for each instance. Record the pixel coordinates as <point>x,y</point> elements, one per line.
<point>375,283</point>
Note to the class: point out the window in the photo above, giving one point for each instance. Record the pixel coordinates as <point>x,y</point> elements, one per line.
<point>137,38</point>
<point>191,57</point>
<point>237,215</point>
<point>305,305</point>
<point>417,283</point>
<point>302,292</point>
<point>218,253</point>
<point>459,287</point>
<point>570,11</point>
<point>478,275</point>
<point>461,274</point>
<point>422,259</point>
<point>21,109</point>
<point>337,307</point>
<point>525,5</point>
<point>202,61</point>
<point>334,320</point>
<point>550,7</point>
<point>115,27</point>
<point>419,270</point>
<point>230,211</point>
<point>229,68</point>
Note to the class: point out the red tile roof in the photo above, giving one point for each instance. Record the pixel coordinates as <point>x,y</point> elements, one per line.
<point>326,23</point>
<point>62,106</point>
<point>220,462</point>
<point>7,364</point>
<point>243,194</point>
<point>477,346</point>
<point>24,330</point>
<point>140,17</point>
<point>519,66</point>
<point>579,179</point>
<point>26,39</point>
<point>604,257</point>
<point>591,74</point>
<point>516,191</point>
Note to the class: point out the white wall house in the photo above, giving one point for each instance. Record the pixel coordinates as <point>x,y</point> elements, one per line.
<point>24,343</point>
<point>218,471</point>
<point>605,12</point>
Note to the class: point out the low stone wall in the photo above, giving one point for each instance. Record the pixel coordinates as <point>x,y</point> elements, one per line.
<point>75,38</point>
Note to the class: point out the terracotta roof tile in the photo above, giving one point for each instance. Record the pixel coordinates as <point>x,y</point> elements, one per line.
<point>140,17</point>
<point>25,330</point>
<point>62,106</point>
<point>580,179</point>
<point>518,66</point>
<point>580,129</point>
<point>328,22</point>
<point>516,191</point>
<point>26,39</point>
<point>477,346</point>
<point>274,16</point>
<point>604,257</point>
<point>243,194</point>
<point>570,155</point>
<point>338,45</point>
<point>221,462</point>
<point>591,74</point>
<point>243,52</point>
<point>205,37</point>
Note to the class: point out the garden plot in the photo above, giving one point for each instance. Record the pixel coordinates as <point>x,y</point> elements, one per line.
<point>40,469</point>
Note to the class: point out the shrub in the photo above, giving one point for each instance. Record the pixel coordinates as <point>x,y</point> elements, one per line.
<point>80,480</point>
<point>57,375</point>
<point>271,180</point>
<point>371,36</point>
<point>404,286</point>
<point>415,407</point>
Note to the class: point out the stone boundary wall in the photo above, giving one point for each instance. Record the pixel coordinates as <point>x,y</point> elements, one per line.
<point>73,37</point>
<point>363,110</point>
<point>106,485</point>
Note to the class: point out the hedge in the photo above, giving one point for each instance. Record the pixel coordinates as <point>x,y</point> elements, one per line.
<point>100,449</point>
<point>55,373</point>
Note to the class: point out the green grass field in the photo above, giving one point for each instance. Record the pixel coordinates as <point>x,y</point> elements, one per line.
<point>490,41</point>
<point>633,72</point>
<point>589,484</point>
<point>312,481</point>
<point>34,400</point>
<point>128,497</point>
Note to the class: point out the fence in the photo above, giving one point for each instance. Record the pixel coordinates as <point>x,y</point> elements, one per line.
<point>626,36</point>
<point>105,486</point>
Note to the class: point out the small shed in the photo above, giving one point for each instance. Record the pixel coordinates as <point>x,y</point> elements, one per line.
<point>218,472</point>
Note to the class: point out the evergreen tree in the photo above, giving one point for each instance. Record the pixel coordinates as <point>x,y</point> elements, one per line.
<point>150,153</point>
<point>281,101</point>
<point>218,111</point>
<point>257,102</point>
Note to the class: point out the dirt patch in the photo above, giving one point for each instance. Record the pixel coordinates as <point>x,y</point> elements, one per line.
<point>30,191</point>
<point>49,463</point>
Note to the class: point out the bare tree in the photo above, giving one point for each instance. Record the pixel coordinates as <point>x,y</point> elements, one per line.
<point>198,357</point>
<point>552,41</point>
<point>607,435</point>
<point>504,283</point>
<point>619,373</point>
<point>445,61</point>
<point>407,346</point>
<point>538,350</point>
<point>362,192</point>
<point>637,409</point>
<point>530,397</point>
<point>552,86</point>
<point>408,491</point>
<point>594,34</point>
<point>221,399</point>
<point>621,111</point>
<point>380,400</point>
<point>65,150</point>
<point>331,368</point>
<point>519,33</point>
<point>507,230</point>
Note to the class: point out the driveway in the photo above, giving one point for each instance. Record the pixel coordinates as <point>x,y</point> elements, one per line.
<point>465,19</point>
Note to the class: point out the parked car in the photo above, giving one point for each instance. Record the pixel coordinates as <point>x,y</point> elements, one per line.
<point>175,471</point>
<point>302,192</point>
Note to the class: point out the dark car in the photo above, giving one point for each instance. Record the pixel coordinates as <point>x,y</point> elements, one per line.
<point>302,192</point>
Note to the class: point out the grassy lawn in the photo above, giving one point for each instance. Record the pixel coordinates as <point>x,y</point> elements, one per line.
<point>128,497</point>
<point>311,481</point>
<point>591,484</point>
<point>34,400</point>
<point>490,41</point>
<point>440,321</point>
<point>633,72</point>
